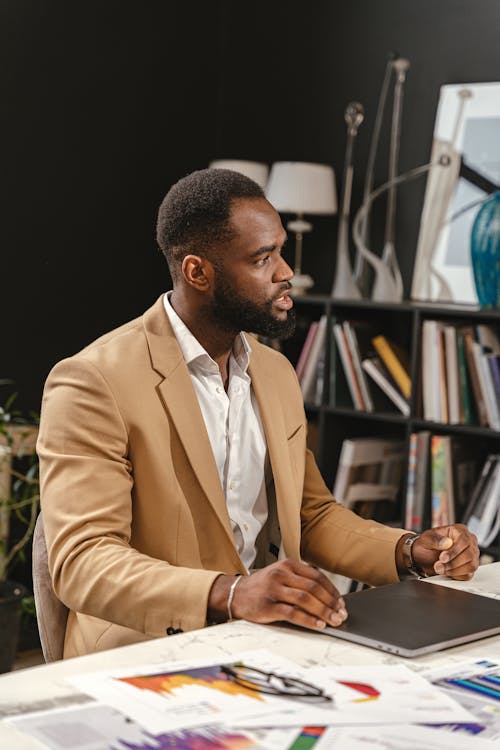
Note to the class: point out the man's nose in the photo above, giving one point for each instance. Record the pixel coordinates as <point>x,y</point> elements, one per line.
<point>283,271</point>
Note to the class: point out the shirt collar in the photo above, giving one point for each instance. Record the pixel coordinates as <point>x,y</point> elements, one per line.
<point>190,346</point>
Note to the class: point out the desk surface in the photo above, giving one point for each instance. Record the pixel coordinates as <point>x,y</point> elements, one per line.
<point>45,687</point>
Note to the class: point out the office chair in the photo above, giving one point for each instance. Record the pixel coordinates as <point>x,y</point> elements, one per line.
<point>51,613</point>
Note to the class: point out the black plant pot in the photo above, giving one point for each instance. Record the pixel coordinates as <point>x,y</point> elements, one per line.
<point>11,595</point>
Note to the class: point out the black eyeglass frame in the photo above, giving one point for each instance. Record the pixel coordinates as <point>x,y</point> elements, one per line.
<point>293,687</point>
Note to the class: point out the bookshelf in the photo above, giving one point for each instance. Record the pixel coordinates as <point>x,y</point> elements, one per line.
<point>333,417</point>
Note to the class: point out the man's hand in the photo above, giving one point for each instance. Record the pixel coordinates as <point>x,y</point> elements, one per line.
<point>447,550</point>
<point>284,591</point>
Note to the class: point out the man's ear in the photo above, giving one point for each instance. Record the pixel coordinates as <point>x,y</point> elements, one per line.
<point>198,272</point>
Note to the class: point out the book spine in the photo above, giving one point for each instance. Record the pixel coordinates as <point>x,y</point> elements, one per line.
<point>474,379</point>
<point>308,384</point>
<point>301,362</point>
<point>439,511</point>
<point>443,389</point>
<point>454,406</point>
<point>350,374</point>
<point>370,366</point>
<point>482,519</point>
<point>486,386</point>
<point>494,364</point>
<point>393,364</point>
<point>450,489</point>
<point>352,343</point>
<point>426,370</point>
<point>410,482</point>
<point>467,415</point>
<point>486,382</point>
<point>421,480</point>
<point>478,489</point>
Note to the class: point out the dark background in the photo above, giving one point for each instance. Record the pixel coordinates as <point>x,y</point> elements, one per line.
<point>105,104</point>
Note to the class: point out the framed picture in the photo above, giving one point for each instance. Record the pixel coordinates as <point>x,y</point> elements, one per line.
<point>466,169</point>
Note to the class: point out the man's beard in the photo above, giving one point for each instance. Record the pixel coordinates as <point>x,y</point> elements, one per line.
<point>234,312</point>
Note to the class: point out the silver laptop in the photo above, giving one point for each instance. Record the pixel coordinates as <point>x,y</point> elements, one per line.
<point>413,618</point>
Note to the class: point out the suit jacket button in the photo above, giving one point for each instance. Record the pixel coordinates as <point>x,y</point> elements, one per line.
<point>171,631</point>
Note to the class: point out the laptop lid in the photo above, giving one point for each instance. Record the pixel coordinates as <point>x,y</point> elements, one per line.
<point>413,618</point>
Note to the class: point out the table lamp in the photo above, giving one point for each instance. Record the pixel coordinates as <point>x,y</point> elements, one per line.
<point>301,188</point>
<point>257,171</point>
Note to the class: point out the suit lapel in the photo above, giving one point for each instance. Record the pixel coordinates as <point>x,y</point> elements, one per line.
<point>266,392</point>
<point>179,400</point>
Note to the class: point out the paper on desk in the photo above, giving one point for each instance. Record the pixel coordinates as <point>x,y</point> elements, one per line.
<point>99,727</point>
<point>475,684</point>
<point>163,697</point>
<point>486,581</point>
<point>385,694</point>
<point>173,696</point>
<point>402,737</point>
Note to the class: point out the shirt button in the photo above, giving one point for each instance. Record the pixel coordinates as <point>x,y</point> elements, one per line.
<point>245,526</point>
<point>218,389</point>
<point>232,485</point>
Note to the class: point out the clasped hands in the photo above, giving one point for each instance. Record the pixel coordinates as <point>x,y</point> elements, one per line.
<point>298,593</point>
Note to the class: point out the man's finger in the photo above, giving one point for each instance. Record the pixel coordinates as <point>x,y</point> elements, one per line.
<point>310,605</point>
<point>316,587</point>
<point>435,539</point>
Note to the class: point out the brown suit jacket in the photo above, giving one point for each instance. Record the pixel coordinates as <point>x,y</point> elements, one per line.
<point>135,516</point>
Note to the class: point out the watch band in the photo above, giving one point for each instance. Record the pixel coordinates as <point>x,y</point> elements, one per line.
<point>410,564</point>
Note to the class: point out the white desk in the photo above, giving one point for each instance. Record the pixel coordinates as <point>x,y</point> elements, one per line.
<point>45,685</point>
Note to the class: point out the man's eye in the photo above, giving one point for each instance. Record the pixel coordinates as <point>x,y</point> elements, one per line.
<point>264,260</point>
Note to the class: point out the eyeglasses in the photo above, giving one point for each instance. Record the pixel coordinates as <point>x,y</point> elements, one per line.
<point>272,683</point>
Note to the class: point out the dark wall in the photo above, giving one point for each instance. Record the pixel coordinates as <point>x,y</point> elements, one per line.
<point>105,104</point>
<point>289,69</point>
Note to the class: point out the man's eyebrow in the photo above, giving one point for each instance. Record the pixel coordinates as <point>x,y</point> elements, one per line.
<point>267,249</point>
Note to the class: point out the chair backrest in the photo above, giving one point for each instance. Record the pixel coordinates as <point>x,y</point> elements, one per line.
<point>51,613</point>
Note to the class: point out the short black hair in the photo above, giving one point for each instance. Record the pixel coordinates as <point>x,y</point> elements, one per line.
<point>194,215</point>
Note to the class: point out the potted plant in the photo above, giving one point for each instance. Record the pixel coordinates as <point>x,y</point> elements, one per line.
<point>19,501</point>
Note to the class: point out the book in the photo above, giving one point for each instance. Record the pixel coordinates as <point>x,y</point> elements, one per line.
<point>431,371</point>
<point>410,481</point>
<point>348,367</point>
<point>467,409</point>
<point>443,376</point>
<point>488,342</point>
<point>479,487</point>
<point>469,340</point>
<point>397,362</point>
<point>465,472</point>
<point>369,470</point>
<point>486,386</point>
<point>374,368</point>
<point>483,521</point>
<point>452,376</point>
<point>301,362</point>
<point>308,382</point>
<point>442,482</point>
<point>421,507</point>
<point>494,365</point>
<point>488,338</point>
<point>354,349</point>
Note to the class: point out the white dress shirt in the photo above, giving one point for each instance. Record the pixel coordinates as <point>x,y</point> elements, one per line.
<point>235,432</point>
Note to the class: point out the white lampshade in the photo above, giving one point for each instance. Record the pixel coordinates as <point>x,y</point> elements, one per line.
<point>302,188</point>
<point>255,170</point>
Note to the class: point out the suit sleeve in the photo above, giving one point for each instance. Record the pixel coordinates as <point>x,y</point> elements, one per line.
<point>86,498</point>
<point>338,540</point>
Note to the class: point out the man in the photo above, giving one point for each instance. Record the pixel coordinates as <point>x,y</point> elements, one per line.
<point>173,455</point>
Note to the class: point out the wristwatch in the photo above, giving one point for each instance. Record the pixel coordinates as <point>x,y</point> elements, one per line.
<point>410,564</point>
